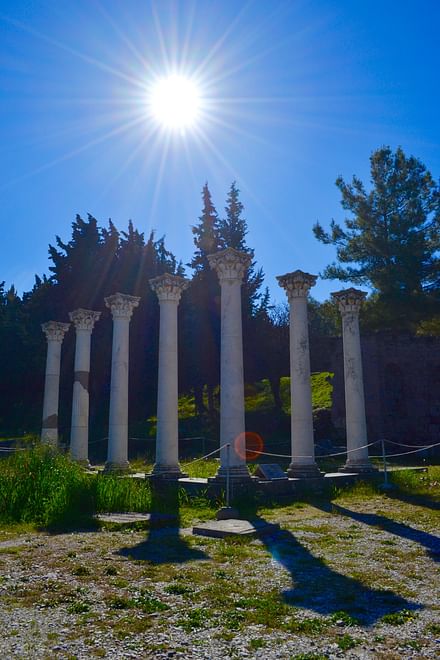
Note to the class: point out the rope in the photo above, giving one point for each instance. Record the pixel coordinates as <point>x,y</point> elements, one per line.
<point>402,444</point>
<point>405,453</point>
<point>340,453</point>
<point>206,456</point>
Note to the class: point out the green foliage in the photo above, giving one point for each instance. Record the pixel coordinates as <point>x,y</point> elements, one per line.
<point>391,240</point>
<point>112,493</point>
<point>398,618</point>
<point>347,642</point>
<point>43,487</point>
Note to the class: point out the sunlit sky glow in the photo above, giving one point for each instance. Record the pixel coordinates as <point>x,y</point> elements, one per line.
<point>281,96</point>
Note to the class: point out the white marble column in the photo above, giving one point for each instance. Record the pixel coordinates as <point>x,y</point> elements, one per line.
<point>84,321</point>
<point>54,332</point>
<point>349,303</point>
<point>297,286</point>
<point>231,266</point>
<point>169,290</point>
<point>121,306</point>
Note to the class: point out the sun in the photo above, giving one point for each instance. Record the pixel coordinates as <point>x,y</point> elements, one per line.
<point>175,102</point>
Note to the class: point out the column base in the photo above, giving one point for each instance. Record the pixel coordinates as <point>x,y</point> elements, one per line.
<point>237,474</point>
<point>116,468</point>
<point>361,467</point>
<point>167,472</point>
<point>308,471</point>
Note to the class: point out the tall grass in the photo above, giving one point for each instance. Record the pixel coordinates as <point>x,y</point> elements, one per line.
<point>112,494</point>
<point>44,487</point>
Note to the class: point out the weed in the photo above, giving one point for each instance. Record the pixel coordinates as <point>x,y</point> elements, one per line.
<point>398,618</point>
<point>78,608</point>
<point>347,642</point>
<point>81,571</point>
<point>195,618</point>
<point>111,570</point>
<point>120,603</point>
<point>257,643</point>
<point>308,627</point>
<point>433,628</point>
<point>148,603</point>
<point>309,656</point>
<point>179,589</point>
<point>345,618</point>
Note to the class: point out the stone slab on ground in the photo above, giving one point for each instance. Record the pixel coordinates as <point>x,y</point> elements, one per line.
<point>139,519</point>
<point>234,527</point>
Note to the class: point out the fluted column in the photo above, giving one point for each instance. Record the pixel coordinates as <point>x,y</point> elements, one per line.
<point>54,332</point>
<point>84,321</point>
<point>297,286</point>
<point>231,266</point>
<point>349,303</point>
<point>169,290</point>
<point>121,306</point>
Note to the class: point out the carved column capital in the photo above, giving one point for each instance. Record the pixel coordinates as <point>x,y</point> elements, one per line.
<point>297,284</point>
<point>169,287</point>
<point>121,305</point>
<point>349,301</point>
<point>54,330</point>
<point>230,264</point>
<point>84,319</point>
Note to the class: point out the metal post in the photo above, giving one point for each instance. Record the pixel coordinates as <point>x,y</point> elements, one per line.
<point>384,460</point>
<point>228,446</point>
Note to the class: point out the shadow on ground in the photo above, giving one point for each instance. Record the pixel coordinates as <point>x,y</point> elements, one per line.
<point>316,586</point>
<point>164,544</point>
<point>428,541</point>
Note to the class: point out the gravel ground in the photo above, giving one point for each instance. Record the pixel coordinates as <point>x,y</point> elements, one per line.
<point>317,589</point>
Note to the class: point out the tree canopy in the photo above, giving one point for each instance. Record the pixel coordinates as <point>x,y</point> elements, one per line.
<point>391,239</point>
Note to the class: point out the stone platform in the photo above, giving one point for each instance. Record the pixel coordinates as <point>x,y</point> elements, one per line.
<point>142,520</point>
<point>234,527</point>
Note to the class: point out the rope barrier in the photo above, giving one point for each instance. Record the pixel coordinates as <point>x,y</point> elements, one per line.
<point>405,453</point>
<point>402,444</point>
<point>340,453</point>
<point>206,456</point>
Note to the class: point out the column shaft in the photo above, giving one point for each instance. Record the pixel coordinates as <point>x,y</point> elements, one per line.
<point>167,451</point>
<point>54,332</point>
<point>49,433</point>
<point>79,438</point>
<point>349,302</point>
<point>303,450</point>
<point>117,457</point>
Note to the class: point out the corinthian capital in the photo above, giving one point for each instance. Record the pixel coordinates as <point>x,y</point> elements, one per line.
<point>121,305</point>
<point>84,319</point>
<point>169,287</point>
<point>349,301</point>
<point>54,330</point>
<point>297,284</point>
<point>230,264</point>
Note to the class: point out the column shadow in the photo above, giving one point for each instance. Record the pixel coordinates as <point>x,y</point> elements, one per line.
<point>164,543</point>
<point>428,541</point>
<point>316,586</point>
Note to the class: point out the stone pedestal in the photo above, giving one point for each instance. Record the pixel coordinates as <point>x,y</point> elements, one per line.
<point>231,266</point>
<point>349,302</point>
<point>121,306</point>
<point>84,321</point>
<point>54,332</point>
<point>297,286</point>
<point>169,290</point>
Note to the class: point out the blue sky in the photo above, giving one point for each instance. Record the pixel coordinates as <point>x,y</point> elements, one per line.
<point>295,92</point>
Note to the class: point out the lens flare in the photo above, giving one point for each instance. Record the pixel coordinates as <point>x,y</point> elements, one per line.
<point>248,445</point>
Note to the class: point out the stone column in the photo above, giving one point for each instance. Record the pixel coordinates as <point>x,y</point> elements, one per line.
<point>349,302</point>
<point>169,290</point>
<point>231,266</point>
<point>121,306</point>
<point>84,321</point>
<point>54,332</point>
<point>297,286</point>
